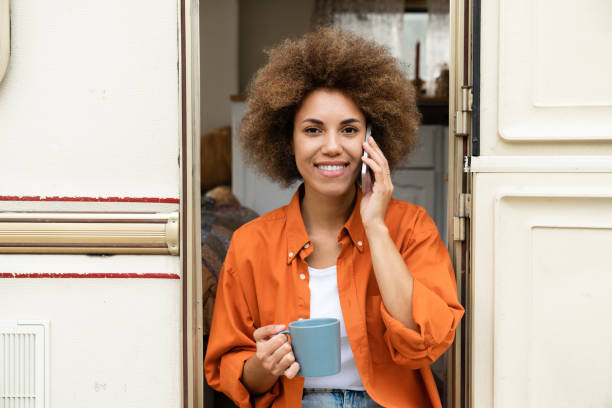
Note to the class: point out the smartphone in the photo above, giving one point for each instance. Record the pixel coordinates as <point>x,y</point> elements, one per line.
<point>366,178</point>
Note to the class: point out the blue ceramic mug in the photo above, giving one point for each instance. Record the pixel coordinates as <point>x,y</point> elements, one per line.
<point>316,346</point>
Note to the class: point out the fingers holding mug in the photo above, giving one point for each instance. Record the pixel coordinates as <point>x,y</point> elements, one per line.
<point>281,359</point>
<point>271,347</point>
<point>293,369</point>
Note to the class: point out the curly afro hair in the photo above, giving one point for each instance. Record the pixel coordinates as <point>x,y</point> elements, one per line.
<point>334,59</point>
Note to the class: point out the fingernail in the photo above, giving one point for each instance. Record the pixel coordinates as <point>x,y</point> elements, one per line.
<point>280,326</point>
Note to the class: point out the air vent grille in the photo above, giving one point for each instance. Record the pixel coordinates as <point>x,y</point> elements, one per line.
<point>22,364</point>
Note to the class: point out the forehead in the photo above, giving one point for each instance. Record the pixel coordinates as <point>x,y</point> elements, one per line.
<point>328,104</point>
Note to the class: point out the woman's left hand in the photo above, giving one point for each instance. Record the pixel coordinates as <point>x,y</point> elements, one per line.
<point>374,202</point>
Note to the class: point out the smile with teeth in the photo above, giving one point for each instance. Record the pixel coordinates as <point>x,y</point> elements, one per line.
<point>330,167</point>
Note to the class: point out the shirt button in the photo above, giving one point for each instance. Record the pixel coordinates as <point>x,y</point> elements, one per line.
<point>307,245</point>
<point>359,243</point>
<point>290,254</point>
<point>302,276</point>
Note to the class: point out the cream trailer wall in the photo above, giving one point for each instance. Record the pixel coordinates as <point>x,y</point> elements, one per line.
<point>542,207</point>
<point>90,122</point>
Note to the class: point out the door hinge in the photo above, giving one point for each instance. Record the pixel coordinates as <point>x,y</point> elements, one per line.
<point>458,229</point>
<point>465,212</point>
<point>465,205</point>
<point>462,115</point>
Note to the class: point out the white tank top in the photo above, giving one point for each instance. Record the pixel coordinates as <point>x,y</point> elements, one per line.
<point>325,302</point>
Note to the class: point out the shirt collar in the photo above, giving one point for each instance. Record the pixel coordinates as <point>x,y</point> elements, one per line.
<point>297,237</point>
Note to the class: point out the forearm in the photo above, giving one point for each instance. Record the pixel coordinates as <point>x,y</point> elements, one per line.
<point>255,378</point>
<point>394,279</point>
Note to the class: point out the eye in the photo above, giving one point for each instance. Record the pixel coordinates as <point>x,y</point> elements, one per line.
<point>350,130</point>
<point>312,130</point>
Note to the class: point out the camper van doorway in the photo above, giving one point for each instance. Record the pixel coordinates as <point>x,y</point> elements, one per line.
<point>233,37</point>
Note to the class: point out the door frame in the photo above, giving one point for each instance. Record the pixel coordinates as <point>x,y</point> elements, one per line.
<point>463,143</point>
<point>192,347</point>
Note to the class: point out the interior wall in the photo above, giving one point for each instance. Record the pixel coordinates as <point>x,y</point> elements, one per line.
<point>218,61</point>
<point>265,23</point>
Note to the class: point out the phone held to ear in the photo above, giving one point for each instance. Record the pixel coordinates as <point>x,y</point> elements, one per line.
<point>366,177</point>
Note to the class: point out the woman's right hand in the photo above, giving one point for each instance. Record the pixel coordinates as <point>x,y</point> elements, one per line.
<point>274,351</point>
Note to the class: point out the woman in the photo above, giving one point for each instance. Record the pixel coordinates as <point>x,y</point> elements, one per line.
<point>376,263</point>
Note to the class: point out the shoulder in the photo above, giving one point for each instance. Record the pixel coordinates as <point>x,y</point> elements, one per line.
<point>403,207</point>
<point>407,218</point>
<point>273,220</point>
<point>260,232</point>
<point>405,211</point>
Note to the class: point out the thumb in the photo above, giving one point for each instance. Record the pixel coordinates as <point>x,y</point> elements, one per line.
<point>265,332</point>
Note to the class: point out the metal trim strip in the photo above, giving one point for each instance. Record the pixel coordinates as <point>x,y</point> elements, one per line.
<point>81,232</point>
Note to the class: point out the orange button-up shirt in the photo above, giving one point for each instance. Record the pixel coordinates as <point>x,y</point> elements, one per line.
<point>264,281</point>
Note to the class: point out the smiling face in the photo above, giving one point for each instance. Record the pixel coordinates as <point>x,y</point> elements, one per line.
<point>328,132</point>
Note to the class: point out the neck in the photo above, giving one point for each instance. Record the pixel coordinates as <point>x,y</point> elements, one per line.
<point>321,212</point>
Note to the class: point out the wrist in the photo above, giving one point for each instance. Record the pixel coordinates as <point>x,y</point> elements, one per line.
<point>255,377</point>
<point>376,228</point>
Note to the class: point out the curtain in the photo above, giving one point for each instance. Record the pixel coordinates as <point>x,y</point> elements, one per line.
<point>381,20</point>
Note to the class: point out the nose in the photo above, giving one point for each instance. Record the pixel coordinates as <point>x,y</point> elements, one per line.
<point>331,144</point>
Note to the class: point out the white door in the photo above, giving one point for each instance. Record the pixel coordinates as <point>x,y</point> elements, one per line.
<point>96,305</point>
<point>542,207</point>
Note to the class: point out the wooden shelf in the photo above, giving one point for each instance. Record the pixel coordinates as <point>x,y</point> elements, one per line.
<point>434,110</point>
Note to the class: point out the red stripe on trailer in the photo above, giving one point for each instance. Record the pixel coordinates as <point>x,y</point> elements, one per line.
<point>92,275</point>
<point>160,200</point>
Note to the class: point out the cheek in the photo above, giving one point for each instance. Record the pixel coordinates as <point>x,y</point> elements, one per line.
<point>356,149</point>
<point>303,148</point>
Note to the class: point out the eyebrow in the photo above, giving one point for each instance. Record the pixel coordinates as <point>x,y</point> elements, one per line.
<point>320,122</point>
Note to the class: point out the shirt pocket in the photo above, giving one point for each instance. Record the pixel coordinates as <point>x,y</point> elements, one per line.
<point>376,330</point>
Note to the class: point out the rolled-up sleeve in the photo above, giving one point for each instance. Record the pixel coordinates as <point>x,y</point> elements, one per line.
<point>231,341</point>
<point>435,307</point>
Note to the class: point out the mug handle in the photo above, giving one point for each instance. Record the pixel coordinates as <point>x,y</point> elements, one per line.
<point>286,333</point>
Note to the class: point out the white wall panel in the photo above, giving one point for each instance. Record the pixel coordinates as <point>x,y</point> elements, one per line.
<point>542,278</point>
<point>90,105</point>
<point>570,67</point>
<point>542,207</point>
<point>544,77</point>
<point>112,342</point>
<point>571,283</point>
<point>546,67</point>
